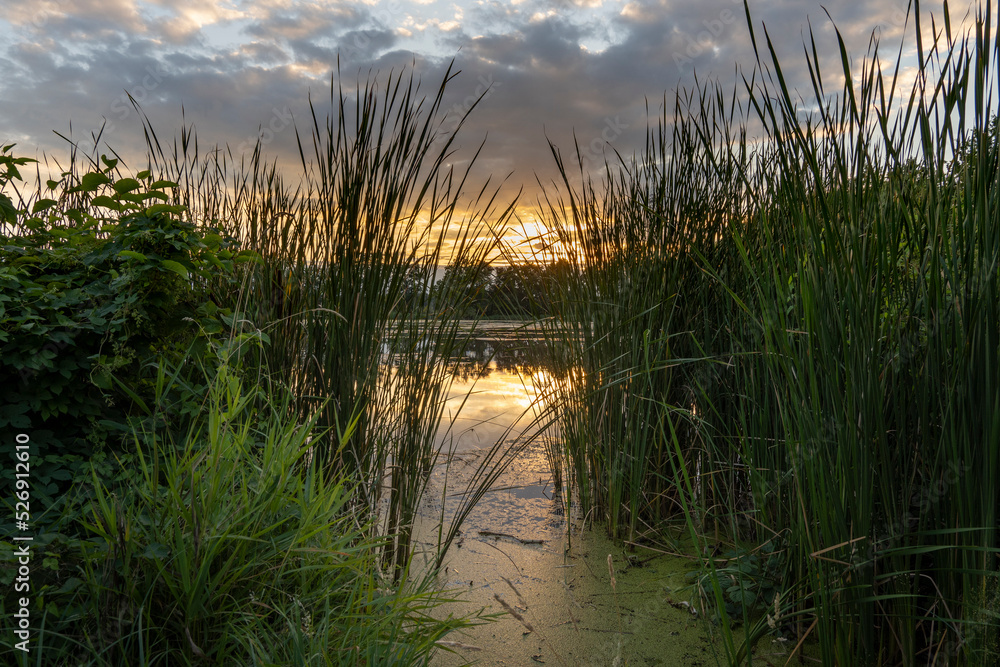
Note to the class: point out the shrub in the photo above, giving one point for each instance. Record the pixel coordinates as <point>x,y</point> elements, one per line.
<point>97,286</point>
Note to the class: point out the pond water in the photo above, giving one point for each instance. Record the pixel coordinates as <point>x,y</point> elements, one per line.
<point>524,543</point>
<point>518,545</point>
<point>524,549</point>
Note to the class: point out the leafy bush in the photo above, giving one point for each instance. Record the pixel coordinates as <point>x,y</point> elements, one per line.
<point>97,286</point>
<point>749,580</point>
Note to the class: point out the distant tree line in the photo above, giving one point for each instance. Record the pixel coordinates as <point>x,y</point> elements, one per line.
<point>516,290</point>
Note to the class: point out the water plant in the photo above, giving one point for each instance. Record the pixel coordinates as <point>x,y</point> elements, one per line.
<point>361,329</point>
<point>233,544</point>
<point>311,478</point>
<point>792,334</point>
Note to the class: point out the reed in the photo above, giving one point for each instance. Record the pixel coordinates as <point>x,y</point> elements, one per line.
<point>630,321</point>
<point>311,479</point>
<point>346,291</point>
<point>793,338</point>
<point>233,545</point>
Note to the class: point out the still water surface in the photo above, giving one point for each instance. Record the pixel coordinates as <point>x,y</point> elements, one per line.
<point>525,543</point>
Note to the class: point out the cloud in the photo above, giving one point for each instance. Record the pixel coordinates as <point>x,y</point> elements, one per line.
<point>81,18</point>
<point>545,69</point>
<point>305,22</point>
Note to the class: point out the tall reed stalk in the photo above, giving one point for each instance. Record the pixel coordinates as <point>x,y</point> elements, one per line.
<point>630,316</point>
<point>349,258</point>
<point>837,278</point>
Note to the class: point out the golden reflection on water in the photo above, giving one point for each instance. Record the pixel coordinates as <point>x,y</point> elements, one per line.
<point>498,405</point>
<point>498,387</point>
<point>516,544</point>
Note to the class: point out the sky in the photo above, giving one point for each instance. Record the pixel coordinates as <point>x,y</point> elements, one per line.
<point>548,68</point>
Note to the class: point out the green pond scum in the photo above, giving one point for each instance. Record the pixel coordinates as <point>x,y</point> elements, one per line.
<point>549,583</point>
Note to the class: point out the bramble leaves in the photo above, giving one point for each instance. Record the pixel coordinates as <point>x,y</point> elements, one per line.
<point>89,307</point>
<point>176,267</point>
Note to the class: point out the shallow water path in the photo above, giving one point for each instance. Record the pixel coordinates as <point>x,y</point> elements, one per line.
<point>516,545</point>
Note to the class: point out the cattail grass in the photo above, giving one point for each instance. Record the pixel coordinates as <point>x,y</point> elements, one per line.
<point>794,338</point>
<point>359,328</point>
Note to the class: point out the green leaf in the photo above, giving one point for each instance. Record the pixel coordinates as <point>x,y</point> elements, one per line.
<point>176,267</point>
<point>160,185</point>
<point>131,197</point>
<point>107,202</point>
<point>18,422</point>
<point>71,585</point>
<point>92,181</point>
<point>156,551</point>
<point>128,392</point>
<point>156,209</point>
<point>42,204</point>
<point>127,185</point>
<point>131,254</point>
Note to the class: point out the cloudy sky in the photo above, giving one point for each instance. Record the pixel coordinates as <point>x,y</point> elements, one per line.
<point>552,67</point>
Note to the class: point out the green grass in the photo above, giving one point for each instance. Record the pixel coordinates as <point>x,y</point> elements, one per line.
<point>777,331</point>
<point>349,261</point>
<point>233,545</point>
